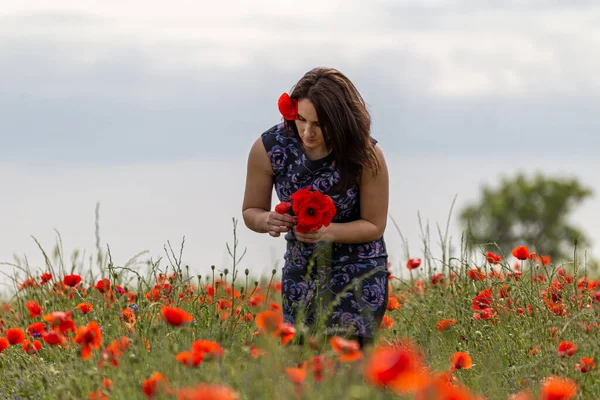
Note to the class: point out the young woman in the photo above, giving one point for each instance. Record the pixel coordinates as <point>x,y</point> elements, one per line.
<point>338,274</point>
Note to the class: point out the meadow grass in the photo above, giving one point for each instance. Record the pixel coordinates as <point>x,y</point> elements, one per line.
<point>513,340</point>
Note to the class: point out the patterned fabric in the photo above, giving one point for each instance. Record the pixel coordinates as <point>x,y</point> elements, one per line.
<point>343,285</point>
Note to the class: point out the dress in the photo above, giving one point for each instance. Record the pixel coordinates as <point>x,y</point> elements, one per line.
<point>346,287</point>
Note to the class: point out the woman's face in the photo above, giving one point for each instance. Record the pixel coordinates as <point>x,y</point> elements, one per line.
<point>308,126</point>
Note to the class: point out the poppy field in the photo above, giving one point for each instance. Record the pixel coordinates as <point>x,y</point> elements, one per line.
<point>486,326</point>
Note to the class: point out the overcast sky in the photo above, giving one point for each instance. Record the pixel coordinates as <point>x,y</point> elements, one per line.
<point>134,101</point>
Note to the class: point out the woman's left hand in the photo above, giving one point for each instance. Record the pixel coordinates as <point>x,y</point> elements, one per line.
<point>320,235</point>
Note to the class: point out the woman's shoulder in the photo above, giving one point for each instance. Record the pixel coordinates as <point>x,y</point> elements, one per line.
<point>275,135</point>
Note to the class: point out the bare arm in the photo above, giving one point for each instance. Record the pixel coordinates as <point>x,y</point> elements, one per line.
<point>257,195</point>
<point>374,199</point>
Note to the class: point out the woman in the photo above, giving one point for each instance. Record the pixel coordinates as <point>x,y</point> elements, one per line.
<point>337,275</point>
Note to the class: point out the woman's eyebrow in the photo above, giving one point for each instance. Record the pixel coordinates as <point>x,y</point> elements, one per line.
<point>299,115</point>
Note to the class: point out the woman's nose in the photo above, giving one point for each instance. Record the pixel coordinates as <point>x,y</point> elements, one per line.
<point>307,129</point>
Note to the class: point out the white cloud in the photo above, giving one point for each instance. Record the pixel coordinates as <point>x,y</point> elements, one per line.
<point>462,48</point>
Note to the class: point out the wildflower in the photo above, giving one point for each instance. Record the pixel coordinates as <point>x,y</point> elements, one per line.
<point>31,347</point>
<point>4,344</point>
<point>521,253</point>
<point>190,358</point>
<point>476,274</point>
<point>15,335</point>
<point>156,384</point>
<point>437,278</point>
<point>444,324</point>
<point>297,375</point>
<point>493,258</point>
<point>482,300</point>
<point>544,260</point>
<point>566,348</point>
<point>393,303</point>
<point>61,321</point>
<point>34,309</point>
<point>36,329</point>
<point>557,388</point>
<point>176,316</point>
<point>207,391</point>
<point>89,336</point>
<point>53,338</point>
<point>268,321</point>
<point>440,388</point>
<point>347,350</point>
<point>84,307</point>
<point>72,280</point>
<point>585,364</point>
<point>460,360</point>
<point>320,367</point>
<point>286,332</point>
<point>399,367</point>
<point>387,322</point>
<point>45,278</point>
<point>413,263</point>
<point>114,351</point>
<point>103,285</point>
<point>209,348</point>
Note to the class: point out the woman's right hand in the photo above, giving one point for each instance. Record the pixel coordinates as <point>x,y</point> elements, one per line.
<point>276,223</point>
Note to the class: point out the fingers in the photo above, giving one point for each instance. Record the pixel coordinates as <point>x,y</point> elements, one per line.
<point>283,220</point>
<point>308,237</point>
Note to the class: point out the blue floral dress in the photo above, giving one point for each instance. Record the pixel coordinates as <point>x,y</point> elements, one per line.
<point>344,286</point>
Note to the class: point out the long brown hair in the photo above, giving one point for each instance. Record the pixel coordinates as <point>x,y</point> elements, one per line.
<point>344,120</point>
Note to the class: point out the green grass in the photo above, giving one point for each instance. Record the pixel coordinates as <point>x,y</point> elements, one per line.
<point>500,348</point>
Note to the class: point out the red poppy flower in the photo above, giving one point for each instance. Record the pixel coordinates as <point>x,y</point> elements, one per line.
<point>566,348</point>
<point>103,285</point>
<point>61,321</point>
<point>348,350</point>
<point>483,300</point>
<point>72,280</point>
<point>283,207</point>
<point>31,347</point>
<point>209,348</point>
<point>189,358</point>
<point>387,322</point>
<point>476,274</point>
<point>176,316</point>
<point>3,344</point>
<point>268,321</point>
<point>288,107</point>
<point>493,258</point>
<point>521,252</point>
<point>557,388</point>
<point>89,336</point>
<point>34,309</point>
<point>84,307</point>
<point>444,324</point>
<point>36,328</point>
<point>15,335</point>
<point>53,338</point>
<point>313,209</point>
<point>214,391</point>
<point>45,278</point>
<point>460,360</point>
<point>156,384</point>
<point>399,367</point>
<point>413,263</point>
<point>585,365</point>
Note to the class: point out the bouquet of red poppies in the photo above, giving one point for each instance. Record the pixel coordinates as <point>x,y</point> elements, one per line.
<point>313,209</point>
